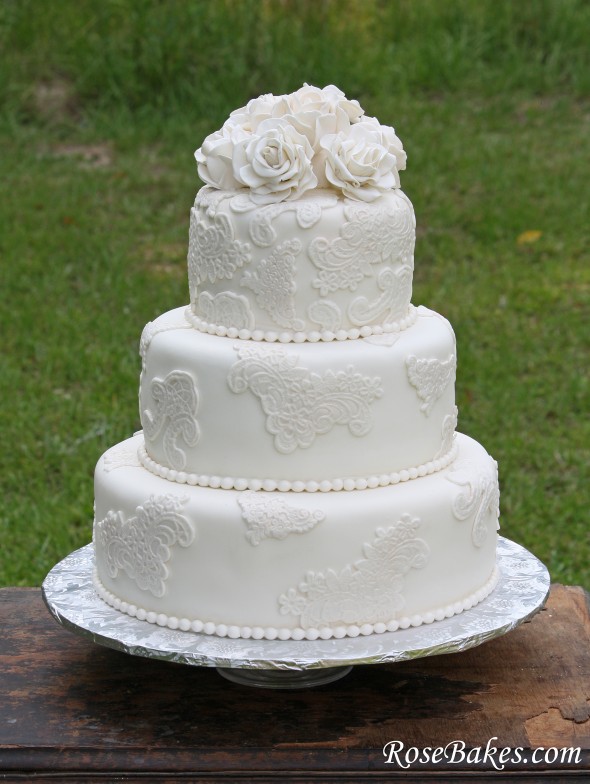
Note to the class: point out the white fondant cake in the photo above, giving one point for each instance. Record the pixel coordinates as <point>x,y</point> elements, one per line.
<point>298,474</point>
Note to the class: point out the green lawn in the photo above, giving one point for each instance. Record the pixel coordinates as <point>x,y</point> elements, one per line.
<point>102,107</point>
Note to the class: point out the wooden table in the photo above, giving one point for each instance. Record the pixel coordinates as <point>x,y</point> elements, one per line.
<point>74,711</point>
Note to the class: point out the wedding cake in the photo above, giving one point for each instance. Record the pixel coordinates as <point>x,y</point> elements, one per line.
<point>299,474</point>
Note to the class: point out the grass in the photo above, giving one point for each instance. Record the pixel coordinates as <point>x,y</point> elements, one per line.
<point>97,177</point>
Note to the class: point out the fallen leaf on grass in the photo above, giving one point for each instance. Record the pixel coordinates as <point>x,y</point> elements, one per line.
<point>528,237</point>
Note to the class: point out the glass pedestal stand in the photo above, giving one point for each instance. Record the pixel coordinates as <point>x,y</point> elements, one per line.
<point>284,679</point>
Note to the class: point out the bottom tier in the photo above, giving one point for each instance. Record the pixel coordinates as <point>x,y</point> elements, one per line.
<point>295,565</point>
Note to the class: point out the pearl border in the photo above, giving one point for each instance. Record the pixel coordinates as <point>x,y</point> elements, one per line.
<point>311,336</point>
<point>297,486</point>
<point>284,633</point>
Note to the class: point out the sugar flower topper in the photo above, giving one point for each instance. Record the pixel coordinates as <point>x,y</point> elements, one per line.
<point>281,146</point>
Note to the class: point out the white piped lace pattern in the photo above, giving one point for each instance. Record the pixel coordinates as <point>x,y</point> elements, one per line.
<point>430,378</point>
<point>268,517</point>
<point>175,409</point>
<point>120,456</point>
<point>371,587</point>
<point>480,496</point>
<point>369,236</point>
<point>326,314</point>
<point>299,404</point>
<point>298,633</point>
<point>273,282</point>
<point>391,304</point>
<point>297,486</point>
<point>449,426</point>
<point>308,212</point>
<point>213,253</point>
<point>289,336</point>
<point>140,545</point>
<point>227,308</point>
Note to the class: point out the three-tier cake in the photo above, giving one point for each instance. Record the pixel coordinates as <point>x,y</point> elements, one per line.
<point>298,474</point>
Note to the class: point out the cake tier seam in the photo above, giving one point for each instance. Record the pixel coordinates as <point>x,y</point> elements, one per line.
<point>310,336</point>
<point>288,485</point>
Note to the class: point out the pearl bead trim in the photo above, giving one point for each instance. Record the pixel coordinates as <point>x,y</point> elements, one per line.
<point>297,486</point>
<point>312,336</point>
<point>283,633</point>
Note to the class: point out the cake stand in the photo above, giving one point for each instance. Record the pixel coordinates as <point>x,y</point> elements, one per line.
<point>522,589</point>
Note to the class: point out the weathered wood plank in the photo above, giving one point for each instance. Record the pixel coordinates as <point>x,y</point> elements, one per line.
<point>69,707</point>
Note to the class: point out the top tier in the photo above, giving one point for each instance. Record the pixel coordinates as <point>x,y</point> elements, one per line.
<point>301,232</point>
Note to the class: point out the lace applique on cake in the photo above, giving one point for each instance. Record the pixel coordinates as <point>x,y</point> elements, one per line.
<point>123,455</point>
<point>225,308</point>
<point>389,306</point>
<point>308,212</point>
<point>269,517</point>
<point>209,199</point>
<point>430,378</point>
<point>326,314</point>
<point>175,409</point>
<point>213,253</point>
<point>480,496</point>
<point>387,340</point>
<point>299,404</point>
<point>372,587</point>
<point>369,237</point>
<point>273,282</point>
<point>449,426</point>
<point>140,546</point>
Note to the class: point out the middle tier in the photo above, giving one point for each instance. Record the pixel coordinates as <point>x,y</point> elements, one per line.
<point>347,414</point>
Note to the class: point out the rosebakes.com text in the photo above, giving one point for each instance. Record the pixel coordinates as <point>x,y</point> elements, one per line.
<point>456,753</point>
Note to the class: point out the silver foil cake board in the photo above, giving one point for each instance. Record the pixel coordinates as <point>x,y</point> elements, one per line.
<point>521,591</point>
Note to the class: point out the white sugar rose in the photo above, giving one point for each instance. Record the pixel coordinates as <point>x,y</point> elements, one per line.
<point>326,100</point>
<point>389,139</point>
<point>256,111</point>
<point>275,163</point>
<point>360,162</point>
<point>317,112</point>
<point>215,157</point>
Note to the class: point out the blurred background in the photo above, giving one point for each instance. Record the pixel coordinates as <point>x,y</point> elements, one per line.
<point>102,106</point>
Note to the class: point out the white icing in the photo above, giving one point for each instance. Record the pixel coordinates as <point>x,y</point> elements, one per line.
<point>297,254</point>
<point>480,497</point>
<point>267,516</point>
<point>140,545</point>
<point>299,404</point>
<point>326,314</point>
<point>366,238</point>
<point>273,282</point>
<point>227,308</point>
<point>328,319</point>
<point>213,253</point>
<point>372,587</point>
<point>307,212</point>
<point>123,454</point>
<point>282,388</point>
<point>389,306</point>
<point>430,377</point>
<point>172,320</point>
<point>174,412</point>
<point>284,633</point>
<point>223,580</point>
<point>305,241</point>
<point>297,485</point>
<point>449,426</point>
